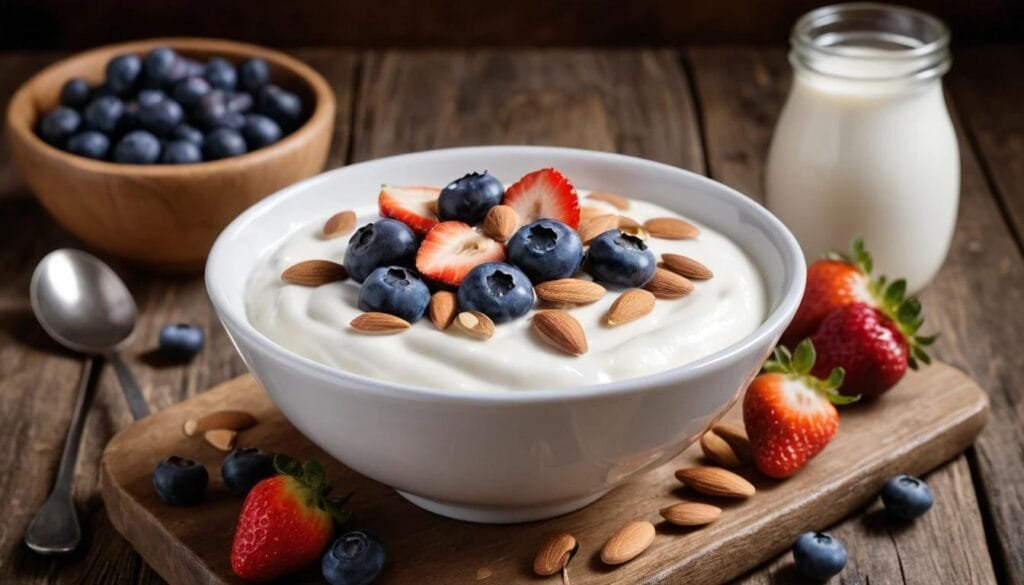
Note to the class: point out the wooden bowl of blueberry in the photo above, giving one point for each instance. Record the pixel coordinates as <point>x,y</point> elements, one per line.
<point>146,150</point>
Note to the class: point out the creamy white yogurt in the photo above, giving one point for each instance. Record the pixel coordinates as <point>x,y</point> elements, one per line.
<point>314,322</point>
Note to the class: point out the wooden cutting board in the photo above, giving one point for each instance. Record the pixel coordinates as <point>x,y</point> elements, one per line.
<point>928,419</point>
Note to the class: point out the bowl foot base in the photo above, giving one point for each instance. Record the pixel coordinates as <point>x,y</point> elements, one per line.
<point>499,515</point>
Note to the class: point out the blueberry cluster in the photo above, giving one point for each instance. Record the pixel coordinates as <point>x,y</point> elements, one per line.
<point>179,481</point>
<point>166,108</point>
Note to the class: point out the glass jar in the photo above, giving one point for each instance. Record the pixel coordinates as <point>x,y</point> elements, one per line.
<point>865,145</point>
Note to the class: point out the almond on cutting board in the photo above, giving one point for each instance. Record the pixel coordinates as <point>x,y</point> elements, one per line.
<point>232,420</point>
<point>314,273</point>
<point>736,436</point>
<point>339,224</point>
<point>618,201</point>
<point>501,222</point>
<point>375,323</point>
<point>686,266</point>
<point>442,309</point>
<point>562,330</point>
<point>555,554</point>
<point>671,228</point>
<point>222,439</point>
<point>474,324</point>
<point>691,514</point>
<point>715,481</point>
<point>591,227</point>
<point>630,306</point>
<point>627,544</point>
<point>575,291</point>
<point>668,285</point>
<point>717,450</point>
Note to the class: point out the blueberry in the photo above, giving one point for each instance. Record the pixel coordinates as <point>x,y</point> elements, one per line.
<point>545,250</point>
<point>190,90</point>
<point>210,109</point>
<point>356,558</point>
<point>221,74</point>
<point>161,117</point>
<point>180,341</point>
<point>75,93</point>
<point>238,102</point>
<point>260,131</point>
<point>907,497</point>
<point>101,90</point>
<point>499,290</point>
<point>395,290</point>
<point>470,198</point>
<point>385,242</point>
<point>138,148</point>
<point>181,152</point>
<point>283,106</point>
<point>819,556</point>
<point>123,73</point>
<point>104,113</point>
<point>188,134</point>
<point>179,481</point>
<point>193,68</point>
<point>245,467</point>
<point>58,125</point>
<point>162,67</point>
<point>149,97</point>
<point>253,74</point>
<point>223,143</point>
<point>90,144</point>
<point>619,259</point>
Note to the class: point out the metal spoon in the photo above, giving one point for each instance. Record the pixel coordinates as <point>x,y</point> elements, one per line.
<point>84,306</point>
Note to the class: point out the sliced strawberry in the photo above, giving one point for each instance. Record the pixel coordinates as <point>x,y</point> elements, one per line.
<point>413,206</point>
<point>452,249</point>
<point>544,193</point>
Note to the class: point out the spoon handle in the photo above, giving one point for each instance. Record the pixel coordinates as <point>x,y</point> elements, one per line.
<point>130,388</point>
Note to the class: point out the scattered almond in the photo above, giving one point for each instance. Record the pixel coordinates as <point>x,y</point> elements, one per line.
<point>628,222</point>
<point>630,306</point>
<point>442,309</point>
<point>232,420</point>
<point>592,210</point>
<point>736,436</point>
<point>686,266</point>
<point>501,222</point>
<point>474,324</point>
<point>626,544</point>
<point>691,514</point>
<point>592,227</point>
<point>378,323</point>
<point>562,330</point>
<point>222,439</point>
<point>570,290</point>
<point>555,554</point>
<point>718,450</point>
<point>618,201</point>
<point>715,481</point>
<point>339,224</point>
<point>314,273</point>
<point>637,231</point>
<point>671,228</point>
<point>668,285</point>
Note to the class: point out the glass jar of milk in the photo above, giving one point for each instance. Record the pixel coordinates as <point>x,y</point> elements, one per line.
<point>864,144</point>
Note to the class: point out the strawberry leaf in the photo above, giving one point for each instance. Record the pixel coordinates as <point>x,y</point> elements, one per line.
<point>835,378</point>
<point>286,465</point>
<point>842,399</point>
<point>803,357</point>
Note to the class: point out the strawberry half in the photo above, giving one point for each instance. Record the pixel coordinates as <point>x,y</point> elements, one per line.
<point>286,522</point>
<point>544,193</point>
<point>452,249</point>
<point>789,414</point>
<point>413,206</point>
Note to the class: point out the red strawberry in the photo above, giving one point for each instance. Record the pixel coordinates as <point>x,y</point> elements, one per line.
<point>452,249</point>
<point>544,193</point>
<point>789,414</point>
<point>413,206</point>
<point>286,522</point>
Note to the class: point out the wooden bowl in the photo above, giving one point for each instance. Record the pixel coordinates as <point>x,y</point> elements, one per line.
<point>164,217</point>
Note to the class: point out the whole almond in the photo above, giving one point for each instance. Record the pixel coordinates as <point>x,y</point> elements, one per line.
<point>222,439</point>
<point>736,436</point>
<point>691,514</point>
<point>378,323</point>
<point>618,201</point>
<point>443,307</point>
<point>339,224</point>
<point>562,330</point>
<point>686,266</point>
<point>232,420</point>
<point>718,450</point>
<point>592,227</point>
<point>630,306</point>
<point>671,228</point>
<point>570,290</point>
<point>314,273</point>
<point>501,222</point>
<point>628,222</point>
<point>555,554</point>
<point>715,481</point>
<point>626,544</point>
<point>474,324</point>
<point>668,285</point>
<point>595,209</point>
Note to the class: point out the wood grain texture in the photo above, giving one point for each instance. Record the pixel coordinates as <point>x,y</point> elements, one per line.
<point>925,421</point>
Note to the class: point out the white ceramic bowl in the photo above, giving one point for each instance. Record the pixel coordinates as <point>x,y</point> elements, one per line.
<point>488,456</point>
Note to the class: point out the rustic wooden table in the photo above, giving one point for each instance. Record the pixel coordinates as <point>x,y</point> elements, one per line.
<point>708,109</point>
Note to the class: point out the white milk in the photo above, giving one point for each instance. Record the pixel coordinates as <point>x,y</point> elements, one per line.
<point>865,144</point>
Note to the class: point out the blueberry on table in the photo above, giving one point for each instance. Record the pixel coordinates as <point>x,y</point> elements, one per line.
<point>907,497</point>
<point>91,144</point>
<point>190,90</point>
<point>497,289</point>
<point>385,242</point>
<point>356,558</point>
<point>137,147</point>
<point>162,67</point>
<point>395,290</point>
<point>221,74</point>
<point>58,125</point>
<point>181,341</point>
<point>283,106</point>
<point>545,250</point>
<point>253,74</point>
<point>619,259</point>
<point>223,143</point>
<point>260,131</point>
<point>180,481</point>
<point>819,556</point>
<point>104,113</point>
<point>469,198</point>
<point>181,152</point>
<point>123,73</point>
<point>160,117</point>
<point>245,467</point>
<point>188,134</point>
<point>74,93</point>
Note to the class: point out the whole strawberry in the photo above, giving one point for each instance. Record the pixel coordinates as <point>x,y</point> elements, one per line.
<point>790,415</point>
<point>286,522</point>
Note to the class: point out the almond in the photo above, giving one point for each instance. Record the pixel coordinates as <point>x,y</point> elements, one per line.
<point>474,324</point>
<point>222,439</point>
<point>618,201</point>
<point>443,307</point>
<point>592,227</point>
<point>232,420</point>
<point>637,231</point>
<point>501,222</point>
<point>379,323</point>
<point>736,436</point>
<point>562,330</point>
<point>555,554</point>
<point>668,285</point>
<point>339,224</point>
<point>570,290</point>
<point>691,514</point>
<point>718,450</point>
<point>715,481</point>
<point>630,306</point>
<point>626,544</point>
<point>628,222</point>
<point>686,266</point>
<point>671,228</point>
<point>314,273</point>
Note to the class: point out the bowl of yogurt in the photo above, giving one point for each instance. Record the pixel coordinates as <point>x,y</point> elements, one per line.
<point>510,429</point>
